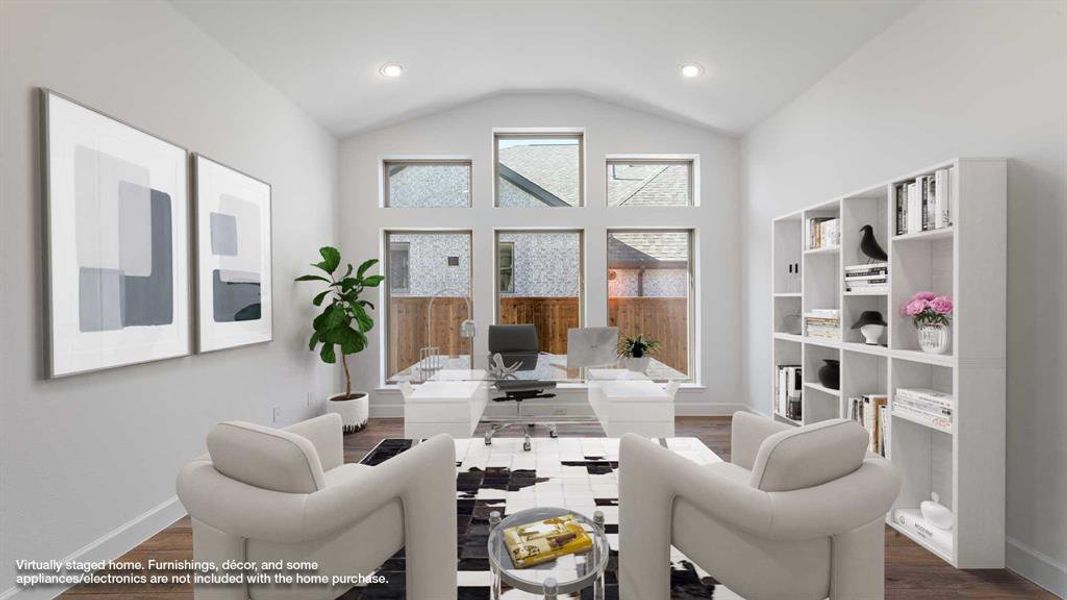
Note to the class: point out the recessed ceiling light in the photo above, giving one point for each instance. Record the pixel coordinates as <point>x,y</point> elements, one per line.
<point>391,70</point>
<point>692,70</point>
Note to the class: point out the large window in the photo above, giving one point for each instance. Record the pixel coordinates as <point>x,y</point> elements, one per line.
<point>545,287</point>
<point>640,182</point>
<point>428,293</point>
<point>427,183</point>
<point>650,293</point>
<point>539,170</point>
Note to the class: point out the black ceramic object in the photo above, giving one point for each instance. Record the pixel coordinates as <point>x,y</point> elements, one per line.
<point>830,374</point>
<point>869,245</point>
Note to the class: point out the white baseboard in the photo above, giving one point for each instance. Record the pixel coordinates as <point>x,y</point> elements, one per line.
<point>109,546</point>
<point>1038,567</point>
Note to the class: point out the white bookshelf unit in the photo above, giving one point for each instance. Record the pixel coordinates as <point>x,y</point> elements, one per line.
<point>966,259</point>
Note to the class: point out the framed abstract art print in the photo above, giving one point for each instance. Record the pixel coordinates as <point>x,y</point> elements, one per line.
<point>233,233</point>
<point>116,241</point>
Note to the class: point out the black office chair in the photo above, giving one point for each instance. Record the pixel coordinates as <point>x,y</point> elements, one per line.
<point>515,344</point>
<point>518,344</point>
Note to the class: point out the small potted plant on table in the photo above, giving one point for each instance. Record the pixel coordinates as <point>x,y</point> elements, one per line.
<point>342,326</point>
<point>635,351</point>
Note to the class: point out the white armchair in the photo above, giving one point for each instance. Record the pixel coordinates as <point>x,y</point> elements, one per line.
<point>797,514</point>
<point>264,494</point>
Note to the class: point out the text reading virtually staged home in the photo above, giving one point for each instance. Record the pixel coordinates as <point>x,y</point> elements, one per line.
<point>505,299</point>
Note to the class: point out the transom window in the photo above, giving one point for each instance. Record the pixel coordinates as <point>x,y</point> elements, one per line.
<point>651,182</point>
<point>538,170</point>
<point>427,183</point>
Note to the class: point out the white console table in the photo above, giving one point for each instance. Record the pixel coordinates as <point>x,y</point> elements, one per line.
<point>633,406</point>
<point>452,407</point>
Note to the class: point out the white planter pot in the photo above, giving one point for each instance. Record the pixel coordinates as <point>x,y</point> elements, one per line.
<point>354,411</point>
<point>933,339</point>
<point>639,365</point>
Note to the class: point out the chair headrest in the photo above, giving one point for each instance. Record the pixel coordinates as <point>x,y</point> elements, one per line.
<point>267,458</point>
<point>513,338</point>
<point>808,456</point>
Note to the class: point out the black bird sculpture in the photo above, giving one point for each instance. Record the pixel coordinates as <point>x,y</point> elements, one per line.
<point>869,246</point>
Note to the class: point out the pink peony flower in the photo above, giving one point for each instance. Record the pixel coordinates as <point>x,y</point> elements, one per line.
<point>924,296</point>
<point>915,306</point>
<point>942,305</point>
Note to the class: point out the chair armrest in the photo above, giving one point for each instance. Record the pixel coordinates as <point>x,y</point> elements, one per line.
<point>325,434</point>
<point>747,433</point>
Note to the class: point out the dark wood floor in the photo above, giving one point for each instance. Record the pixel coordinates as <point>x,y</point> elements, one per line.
<point>912,573</point>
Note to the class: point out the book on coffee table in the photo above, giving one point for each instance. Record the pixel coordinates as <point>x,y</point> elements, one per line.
<point>541,541</point>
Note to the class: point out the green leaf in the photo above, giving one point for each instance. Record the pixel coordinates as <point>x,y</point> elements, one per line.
<point>313,341</point>
<point>364,320</point>
<point>333,316</point>
<point>349,271</point>
<point>317,301</point>
<point>373,280</point>
<point>348,283</point>
<point>366,303</point>
<point>366,265</point>
<point>327,354</point>
<point>352,341</point>
<point>312,277</point>
<point>331,258</point>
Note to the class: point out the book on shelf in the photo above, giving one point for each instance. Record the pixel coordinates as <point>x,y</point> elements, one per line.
<point>869,410</point>
<point>868,269</point>
<point>789,382</point>
<point>924,204</point>
<point>938,422</point>
<point>913,521</point>
<point>541,541</point>
<point>932,402</point>
<point>823,232</point>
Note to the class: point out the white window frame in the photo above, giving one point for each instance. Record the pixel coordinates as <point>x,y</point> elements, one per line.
<point>694,339</point>
<point>384,162</point>
<point>539,132</point>
<point>693,160</point>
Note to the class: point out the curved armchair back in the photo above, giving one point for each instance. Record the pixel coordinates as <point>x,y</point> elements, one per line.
<point>272,459</point>
<point>809,456</point>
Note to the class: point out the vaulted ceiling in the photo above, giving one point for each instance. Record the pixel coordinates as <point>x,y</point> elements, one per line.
<point>757,55</point>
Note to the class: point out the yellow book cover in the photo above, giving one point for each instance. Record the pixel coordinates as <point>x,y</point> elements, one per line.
<point>542,541</point>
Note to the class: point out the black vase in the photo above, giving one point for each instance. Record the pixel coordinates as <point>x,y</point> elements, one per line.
<point>830,374</point>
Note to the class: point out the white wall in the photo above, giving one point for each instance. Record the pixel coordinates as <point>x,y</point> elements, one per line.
<point>92,459</point>
<point>949,79</point>
<point>609,129</point>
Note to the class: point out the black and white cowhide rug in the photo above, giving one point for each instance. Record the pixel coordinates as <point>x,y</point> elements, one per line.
<point>574,473</point>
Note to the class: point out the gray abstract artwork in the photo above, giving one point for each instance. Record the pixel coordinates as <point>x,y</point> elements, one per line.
<point>124,242</point>
<point>236,240</point>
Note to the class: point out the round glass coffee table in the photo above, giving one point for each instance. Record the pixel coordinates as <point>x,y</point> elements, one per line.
<point>563,575</point>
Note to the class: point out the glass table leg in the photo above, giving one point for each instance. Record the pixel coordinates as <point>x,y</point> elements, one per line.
<point>494,571</point>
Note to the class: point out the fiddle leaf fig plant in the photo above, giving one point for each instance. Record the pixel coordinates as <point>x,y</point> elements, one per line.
<point>344,322</point>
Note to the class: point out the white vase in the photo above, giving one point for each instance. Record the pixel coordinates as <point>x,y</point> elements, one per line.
<point>933,338</point>
<point>354,410</point>
<point>637,364</point>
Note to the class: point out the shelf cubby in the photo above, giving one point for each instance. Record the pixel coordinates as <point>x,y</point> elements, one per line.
<point>785,309</point>
<point>967,261</point>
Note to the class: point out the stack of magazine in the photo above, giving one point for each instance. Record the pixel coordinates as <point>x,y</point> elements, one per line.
<point>541,541</point>
<point>872,278</point>
<point>823,323</point>
<point>928,407</point>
